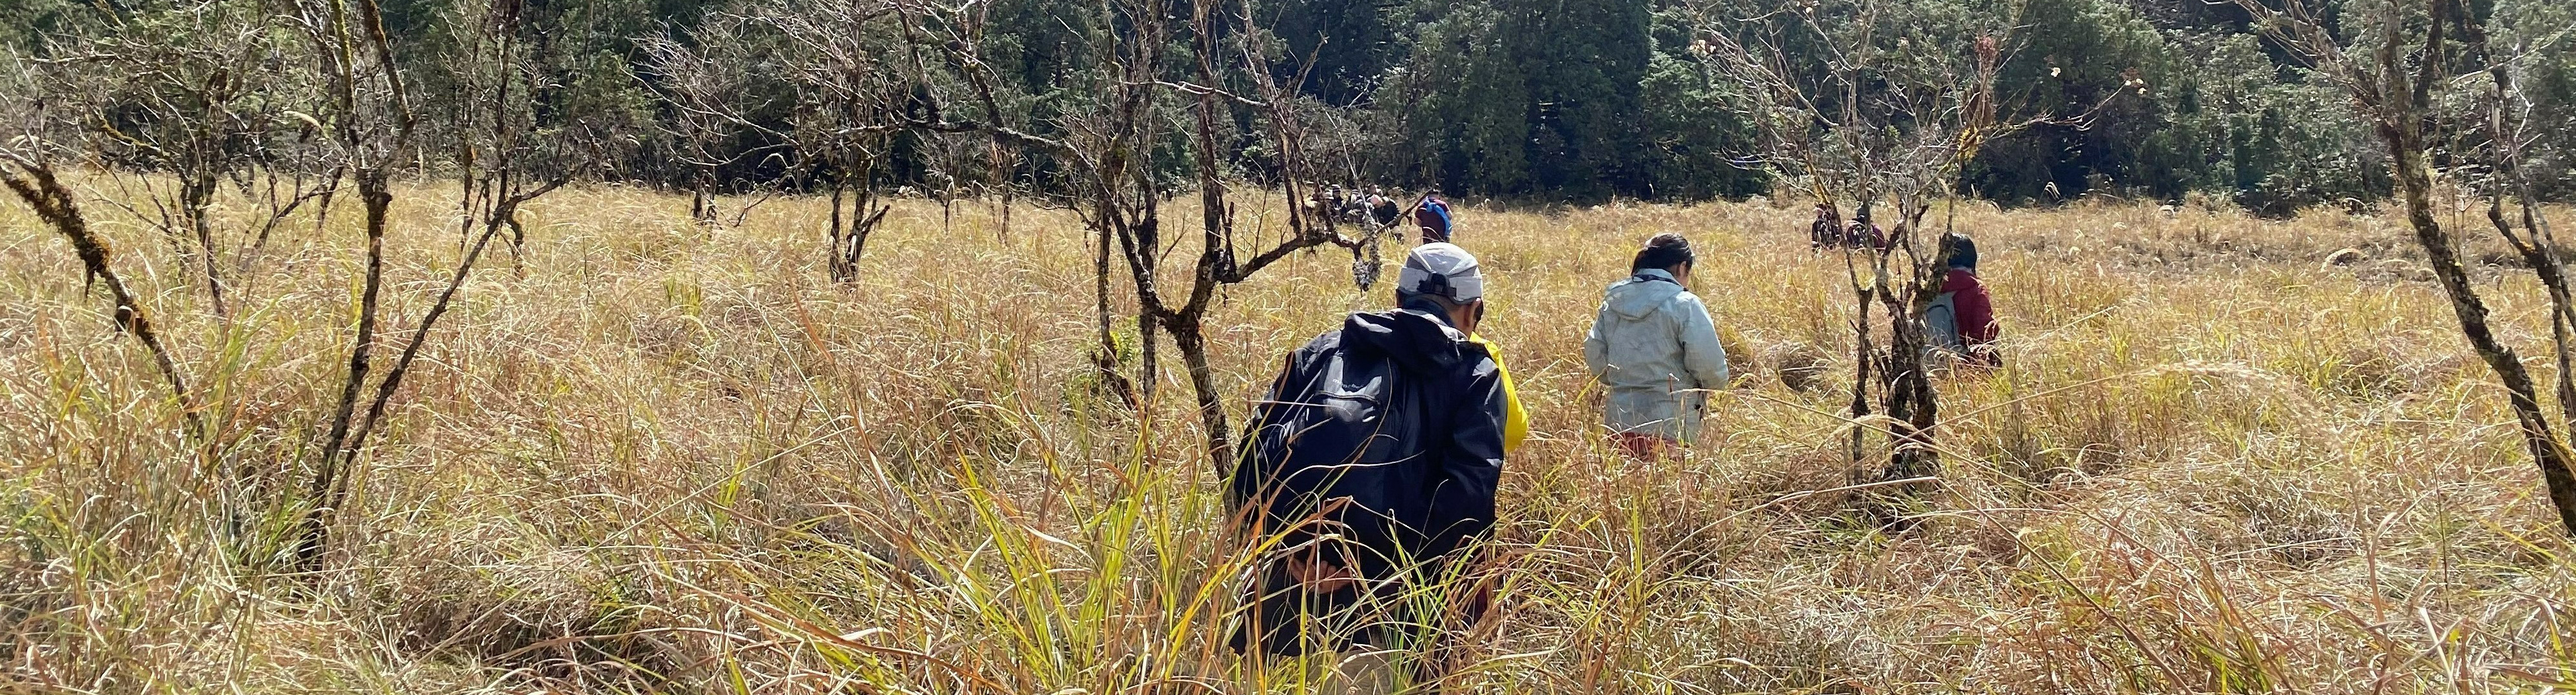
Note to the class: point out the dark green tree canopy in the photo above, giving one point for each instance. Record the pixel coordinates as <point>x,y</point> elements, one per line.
<point>1538,100</point>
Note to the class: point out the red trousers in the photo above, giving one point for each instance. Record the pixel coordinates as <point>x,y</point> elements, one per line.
<point>1644,446</point>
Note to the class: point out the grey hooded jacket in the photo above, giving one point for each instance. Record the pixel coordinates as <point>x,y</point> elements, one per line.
<point>1652,344</point>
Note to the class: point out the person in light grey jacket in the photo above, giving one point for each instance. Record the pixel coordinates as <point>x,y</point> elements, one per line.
<point>1655,350</point>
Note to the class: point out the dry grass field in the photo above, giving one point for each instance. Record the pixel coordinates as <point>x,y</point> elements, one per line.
<point>661,457</point>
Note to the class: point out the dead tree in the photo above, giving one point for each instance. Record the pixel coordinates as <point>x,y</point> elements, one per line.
<point>1897,106</point>
<point>1095,147</point>
<point>505,153</point>
<point>1217,263</point>
<point>850,95</point>
<point>839,62</point>
<point>859,75</point>
<point>2449,109</point>
<point>372,125</point>
<point>960,33</point>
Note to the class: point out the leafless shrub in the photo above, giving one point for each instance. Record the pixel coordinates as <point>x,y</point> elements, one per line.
<point>841,61</point>
<point>1107,146</point>
<point>714,88</point>
<point>184,105</point>
<point>504,160</point>
<point>1904,102</point>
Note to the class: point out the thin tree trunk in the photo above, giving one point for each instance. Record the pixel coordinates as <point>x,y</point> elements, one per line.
<point>1187,335</point>
<point>1139,240</point>
<point>1215,227</point>
<point>866,225</point>
<point>376,197</point>
<point>1909,396</point>
<point>2415,185</point>
<point>1001,177</point>
<point>1912,409</point>
<point>1106,359</point>
<point>837,253</point>
<point>2539,248</point>
<point>1147,355</point>
<point>196,197</point>
<point>335,488</point>
<point>1860,378</point>
<point>702,206</point>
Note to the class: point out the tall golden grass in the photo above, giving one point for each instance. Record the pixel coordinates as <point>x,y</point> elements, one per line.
<point>650,455</point>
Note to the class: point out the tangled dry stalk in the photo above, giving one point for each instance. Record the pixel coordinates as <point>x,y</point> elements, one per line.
<point>678,457</point>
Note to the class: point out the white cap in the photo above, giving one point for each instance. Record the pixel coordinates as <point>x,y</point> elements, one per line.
<point>1442,270</point>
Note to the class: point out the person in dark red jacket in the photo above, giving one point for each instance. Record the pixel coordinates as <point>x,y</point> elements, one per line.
<point>1973,307</point>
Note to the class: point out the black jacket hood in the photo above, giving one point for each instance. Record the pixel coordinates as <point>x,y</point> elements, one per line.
<point>1415,339</point>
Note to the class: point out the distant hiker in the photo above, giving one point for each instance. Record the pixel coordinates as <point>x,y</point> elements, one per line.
<point>1863,233</point>
<point>1382,209</point>
<point>1655,349</point>
<point>1336,203</point>
<point>1432,217</point>
<point>1373,459</point>
<point>1961,321</point>
<point>1824,233</point>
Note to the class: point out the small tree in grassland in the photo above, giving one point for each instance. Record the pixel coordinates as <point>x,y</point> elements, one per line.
<point>866,73</point>
<point>331,75</point>
<point>716,97</point>
<point>839,68</point>
<point>190,109</point>
<point>2448,104</point>
<point>505,155</point>
<point>1108,156</point>
<point>843,60</point>
<point>1904,96</point>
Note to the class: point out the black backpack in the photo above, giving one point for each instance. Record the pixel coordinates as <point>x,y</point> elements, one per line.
<point>1325,452</point>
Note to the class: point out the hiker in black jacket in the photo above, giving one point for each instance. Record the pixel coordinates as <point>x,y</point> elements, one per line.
<point>1369,472</point>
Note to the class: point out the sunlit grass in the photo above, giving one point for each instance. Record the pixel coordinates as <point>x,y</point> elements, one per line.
<point>647,455</point>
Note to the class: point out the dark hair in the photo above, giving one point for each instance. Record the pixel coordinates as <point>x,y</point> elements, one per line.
<point>1664,251</point>
<point>1961,250</point>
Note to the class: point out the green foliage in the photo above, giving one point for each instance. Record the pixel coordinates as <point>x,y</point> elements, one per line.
<point>1462,109</point>
<point>2078,54</point>
<point>2271,136</point>
<point>1693,135</point>
<point>1342,47</point>
<point>1526,98</point>
<point>2546,32</point>
<point>1529,99</point>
